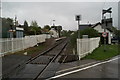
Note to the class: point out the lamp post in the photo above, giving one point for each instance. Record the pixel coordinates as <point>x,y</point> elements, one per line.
<point>78,18</point>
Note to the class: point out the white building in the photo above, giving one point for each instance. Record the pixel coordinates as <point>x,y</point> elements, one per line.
<point>99,28</point>
<point>53,33</point>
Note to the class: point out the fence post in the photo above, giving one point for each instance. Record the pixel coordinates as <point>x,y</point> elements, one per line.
<point>23,43</point>
<point>12,44</point>
<point>78,50</point>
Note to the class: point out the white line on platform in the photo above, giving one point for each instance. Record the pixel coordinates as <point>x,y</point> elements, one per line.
<point>76,67</point>
<point>82,69</point>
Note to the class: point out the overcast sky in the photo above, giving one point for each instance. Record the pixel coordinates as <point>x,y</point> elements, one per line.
<point>63,12</point>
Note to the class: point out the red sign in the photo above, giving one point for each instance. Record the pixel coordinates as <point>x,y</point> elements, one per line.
<point>104,34</point>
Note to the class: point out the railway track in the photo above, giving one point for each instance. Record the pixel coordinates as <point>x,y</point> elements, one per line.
<point>42,66</point>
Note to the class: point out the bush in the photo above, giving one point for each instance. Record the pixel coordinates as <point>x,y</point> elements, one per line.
<point>89,31</point>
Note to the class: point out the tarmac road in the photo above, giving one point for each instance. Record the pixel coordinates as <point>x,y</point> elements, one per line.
<point>105,69</point>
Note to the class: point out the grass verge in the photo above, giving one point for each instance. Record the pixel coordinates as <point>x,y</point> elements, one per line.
<point>99,54</point>
<point>30,51</point>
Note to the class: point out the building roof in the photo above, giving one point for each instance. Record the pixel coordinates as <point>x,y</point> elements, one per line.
<point>19,28</point>
<point>109,29</point>
<point>84,26</point>
<point>96,24</point>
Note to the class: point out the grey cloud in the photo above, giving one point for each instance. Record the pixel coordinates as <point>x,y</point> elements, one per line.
<point>62,12</point>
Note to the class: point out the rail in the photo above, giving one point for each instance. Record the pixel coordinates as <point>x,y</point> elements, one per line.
<point>61,42</point>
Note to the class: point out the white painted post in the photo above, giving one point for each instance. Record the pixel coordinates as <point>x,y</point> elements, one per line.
<point>23,42</point>
<point>78,46</point>
<point>12,44</point>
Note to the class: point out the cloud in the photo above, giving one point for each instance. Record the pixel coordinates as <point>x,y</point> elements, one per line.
<point>63,12</point>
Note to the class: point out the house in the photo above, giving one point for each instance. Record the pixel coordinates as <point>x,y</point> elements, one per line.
<point>99,28</point>
<point>53,33</point>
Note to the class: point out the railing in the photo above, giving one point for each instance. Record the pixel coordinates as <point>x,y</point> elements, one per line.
<point>17,44</point>
<point>87,45</point>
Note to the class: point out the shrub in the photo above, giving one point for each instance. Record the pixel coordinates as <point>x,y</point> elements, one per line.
<point>89,31</point>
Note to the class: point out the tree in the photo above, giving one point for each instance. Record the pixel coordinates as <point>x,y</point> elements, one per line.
<point>59,28</point>
<point>89,31</point>
<point>7,24</point>
<point>10,21</point>
<point>67,33</point>
<point>34,24</point>
<point>35,28</point>
<point>47,27</point>
<point>26,27</point>
<point>64,33</point>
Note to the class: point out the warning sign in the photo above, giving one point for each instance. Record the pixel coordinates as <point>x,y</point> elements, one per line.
<point>104,34</point>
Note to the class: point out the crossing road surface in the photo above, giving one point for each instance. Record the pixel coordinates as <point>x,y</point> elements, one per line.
<point>105,69</point>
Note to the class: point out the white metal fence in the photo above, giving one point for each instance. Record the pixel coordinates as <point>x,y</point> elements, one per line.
<point>87,45</point>
<point>17,44</point>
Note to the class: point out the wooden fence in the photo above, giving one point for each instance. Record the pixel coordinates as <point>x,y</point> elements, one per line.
<point>17,44</point>
<point>87,45</point>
